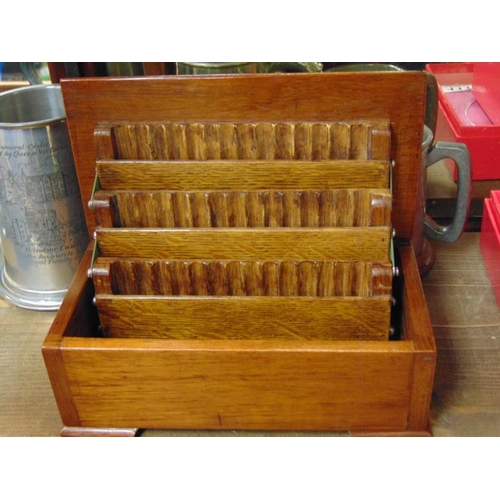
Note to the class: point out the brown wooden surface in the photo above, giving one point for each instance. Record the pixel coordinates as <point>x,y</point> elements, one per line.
<point>237,278</point>
<point>208,388</point>
<point>255,315</point>
<point>251,317</point>
<point>397,97</point>
<point>463,311</point>
<point>284,140</point>
<point>325,379</point>
<point>196,175</point>
<point>93,432</point>
<point>371,244</point>
<point>284,208</point>
<point>417,327</point>
<point>88,362</point>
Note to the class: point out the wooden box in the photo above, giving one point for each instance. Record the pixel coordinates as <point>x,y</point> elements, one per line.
<point>110,379</point>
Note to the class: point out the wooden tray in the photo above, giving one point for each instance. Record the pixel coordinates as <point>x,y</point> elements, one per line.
<point>117,385</point>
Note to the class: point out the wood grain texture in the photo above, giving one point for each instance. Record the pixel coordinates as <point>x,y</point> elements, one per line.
<point>397,97</point>
<point>249,317</point>
<point>73,321</point>
<point>358,386</point>
<point>97,432</point>
<point>304,385</point>
<point>233,278</point>
<point>370,244</point>
<point>250,141</point>
<point>242,175</point>
<point>466,396</point>
<point>416,313</point>
<point>270,379</point>
<point>335,208</point>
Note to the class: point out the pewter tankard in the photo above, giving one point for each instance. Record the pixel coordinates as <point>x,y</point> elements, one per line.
<point>42,224</point>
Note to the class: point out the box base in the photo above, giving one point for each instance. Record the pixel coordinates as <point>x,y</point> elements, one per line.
<point>110,386</point>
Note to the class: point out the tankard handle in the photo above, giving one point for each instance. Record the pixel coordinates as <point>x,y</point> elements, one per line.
<point>459,153</point>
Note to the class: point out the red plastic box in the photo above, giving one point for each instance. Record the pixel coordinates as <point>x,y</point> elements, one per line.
<point>461,118</point>
<point>490,240</point>
<point>486,88</point>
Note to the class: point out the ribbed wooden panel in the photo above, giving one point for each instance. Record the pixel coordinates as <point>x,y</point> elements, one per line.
<point>246,141</point>
<point>237,278</point>
<point>334,208</point>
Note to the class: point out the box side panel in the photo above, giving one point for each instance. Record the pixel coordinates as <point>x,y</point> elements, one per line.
<point>241,388</point>
<point>418,328</point>
<point>77,317</point>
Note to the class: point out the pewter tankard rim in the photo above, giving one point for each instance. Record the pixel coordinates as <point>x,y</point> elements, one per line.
<point>18,109</point>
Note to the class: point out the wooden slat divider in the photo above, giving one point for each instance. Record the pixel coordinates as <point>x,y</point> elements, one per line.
<point>286,318</point>
<point>371,244</point>
<point>242,174</point>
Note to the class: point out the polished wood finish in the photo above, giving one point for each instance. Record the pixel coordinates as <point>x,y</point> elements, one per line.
<point>246,384</point>
<point>250,317</point>
<point>321,383</point>
<point>242,174</point>
<point>242,278</point>
<point>265,140</point>
<point>284,208</point>
<point>248,226</point>
<point>466,392</point>
<point>98,432</point>
<point>371,244</point>
<point>396,97</point>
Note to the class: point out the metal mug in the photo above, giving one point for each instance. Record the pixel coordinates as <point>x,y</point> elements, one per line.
<point>42,223</point>
<point>426,229</point>
<point>208,68</point>
<point>213,68</point>
<point>290,67</point>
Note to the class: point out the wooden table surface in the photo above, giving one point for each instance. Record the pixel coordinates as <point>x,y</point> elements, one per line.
<point>464,313</point>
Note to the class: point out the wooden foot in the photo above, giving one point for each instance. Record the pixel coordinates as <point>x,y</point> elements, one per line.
<point>97,432</point>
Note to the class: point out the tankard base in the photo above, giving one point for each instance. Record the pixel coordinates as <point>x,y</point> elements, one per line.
<point>29,299</point>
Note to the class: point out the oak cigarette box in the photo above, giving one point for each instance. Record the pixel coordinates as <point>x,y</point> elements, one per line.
<point>115,384</point>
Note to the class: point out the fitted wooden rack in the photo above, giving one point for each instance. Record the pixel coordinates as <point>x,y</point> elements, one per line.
<point>229,255</point>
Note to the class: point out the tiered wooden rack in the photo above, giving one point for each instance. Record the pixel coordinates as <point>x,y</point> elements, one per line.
<point>243,274</point>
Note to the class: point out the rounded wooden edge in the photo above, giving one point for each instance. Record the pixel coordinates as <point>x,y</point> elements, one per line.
<point>98,432</point>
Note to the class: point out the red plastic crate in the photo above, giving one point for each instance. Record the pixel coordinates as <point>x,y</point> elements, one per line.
<point>486,88</point>
<point>490,241</point>
<point>462,119</point>
<point>495,196</point>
